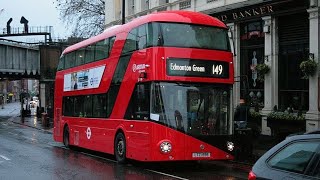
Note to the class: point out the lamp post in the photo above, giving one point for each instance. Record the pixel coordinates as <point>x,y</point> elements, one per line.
<point>123,12</point>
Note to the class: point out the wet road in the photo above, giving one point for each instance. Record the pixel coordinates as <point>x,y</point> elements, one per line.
<point>28,153</point>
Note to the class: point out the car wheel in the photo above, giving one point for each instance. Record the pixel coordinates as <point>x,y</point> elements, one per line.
<point>120,148</point>
<point>66,137</point>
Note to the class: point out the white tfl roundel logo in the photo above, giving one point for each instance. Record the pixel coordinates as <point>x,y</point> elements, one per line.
<point>88,133</point>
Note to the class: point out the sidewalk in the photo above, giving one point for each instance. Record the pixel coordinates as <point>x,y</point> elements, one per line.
<point>12,111</point>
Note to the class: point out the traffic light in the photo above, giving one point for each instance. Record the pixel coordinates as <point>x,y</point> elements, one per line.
<point>25,22</point>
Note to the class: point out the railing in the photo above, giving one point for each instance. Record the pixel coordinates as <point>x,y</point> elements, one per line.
<point>33,29</point>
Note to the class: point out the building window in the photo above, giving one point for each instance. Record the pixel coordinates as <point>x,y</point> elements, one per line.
<point>162,9</point>
<point>293,48</point>
<point>185,5</point>
<point>144,5</point>
<point>131,7</point>
<point>162,2</point>
<point>252,54</point>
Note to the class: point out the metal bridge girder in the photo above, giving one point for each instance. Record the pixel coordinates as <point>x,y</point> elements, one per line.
<point>19,60</point>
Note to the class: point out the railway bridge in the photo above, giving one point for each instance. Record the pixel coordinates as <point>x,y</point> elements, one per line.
<point>21,61</point>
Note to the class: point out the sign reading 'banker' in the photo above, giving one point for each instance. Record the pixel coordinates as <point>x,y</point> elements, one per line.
<point>197,68</point>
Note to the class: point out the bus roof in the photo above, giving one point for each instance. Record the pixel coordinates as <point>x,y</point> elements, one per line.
<point>163,16</point>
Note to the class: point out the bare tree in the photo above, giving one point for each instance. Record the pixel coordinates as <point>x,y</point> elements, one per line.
<point>85,17</point>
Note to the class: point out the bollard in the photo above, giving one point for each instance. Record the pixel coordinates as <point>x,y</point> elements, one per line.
<point>44,119</point>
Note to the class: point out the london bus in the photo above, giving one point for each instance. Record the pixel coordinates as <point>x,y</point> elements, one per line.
<point>158,88</point>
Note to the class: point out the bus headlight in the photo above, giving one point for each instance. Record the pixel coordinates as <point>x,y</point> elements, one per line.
<point>230,146</point>
<point>165,147</point>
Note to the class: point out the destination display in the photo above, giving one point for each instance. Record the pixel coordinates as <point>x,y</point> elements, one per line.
<point>197,68</point>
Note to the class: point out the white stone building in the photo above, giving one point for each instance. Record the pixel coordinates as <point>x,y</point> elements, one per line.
<point>279,33</point>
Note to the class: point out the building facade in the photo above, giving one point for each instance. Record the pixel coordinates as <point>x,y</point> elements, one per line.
<point>278,33</point>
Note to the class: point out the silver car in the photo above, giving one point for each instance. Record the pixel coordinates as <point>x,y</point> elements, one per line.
<point>296,157</point>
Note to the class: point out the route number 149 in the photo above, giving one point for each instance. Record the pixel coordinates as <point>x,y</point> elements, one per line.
<point>217,69</point>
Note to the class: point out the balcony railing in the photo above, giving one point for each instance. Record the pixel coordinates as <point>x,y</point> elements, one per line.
<point>31,30</point>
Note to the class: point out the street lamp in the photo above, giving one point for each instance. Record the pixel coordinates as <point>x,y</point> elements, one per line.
<point>123,12</point>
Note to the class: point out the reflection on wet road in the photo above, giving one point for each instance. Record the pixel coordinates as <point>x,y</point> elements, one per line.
<point>27,153</point>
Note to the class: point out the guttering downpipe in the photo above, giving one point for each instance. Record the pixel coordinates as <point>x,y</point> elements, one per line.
<point>123,12</point>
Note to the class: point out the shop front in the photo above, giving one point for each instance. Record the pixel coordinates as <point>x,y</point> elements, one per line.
<point>270,40</point>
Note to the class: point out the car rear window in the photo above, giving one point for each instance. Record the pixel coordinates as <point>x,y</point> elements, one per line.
<point>295,157</point>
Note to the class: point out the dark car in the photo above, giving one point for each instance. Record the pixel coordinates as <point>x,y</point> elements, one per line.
<point>296,157</point>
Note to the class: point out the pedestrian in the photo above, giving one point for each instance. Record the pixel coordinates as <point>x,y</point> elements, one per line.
<point>241,115</point>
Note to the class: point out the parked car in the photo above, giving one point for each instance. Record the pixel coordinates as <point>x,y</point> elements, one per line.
<point>296,157</point>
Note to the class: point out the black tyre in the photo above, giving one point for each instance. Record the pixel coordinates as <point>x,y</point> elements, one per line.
<point>120,148</point>
<point>66,137</point>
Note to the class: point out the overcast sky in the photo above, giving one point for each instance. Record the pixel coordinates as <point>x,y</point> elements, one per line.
<point>37,12</point>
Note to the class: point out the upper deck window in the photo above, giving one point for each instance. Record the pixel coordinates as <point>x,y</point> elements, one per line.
<point>131,41</point>
<point>177,35</point>
<point>89,54</point>
<point>70,60</point>
<point>102,49</point>
<point>93,52</point>
<point>194,36</point>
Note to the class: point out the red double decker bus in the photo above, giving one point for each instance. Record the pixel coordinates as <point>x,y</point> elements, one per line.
<point>158,88</point>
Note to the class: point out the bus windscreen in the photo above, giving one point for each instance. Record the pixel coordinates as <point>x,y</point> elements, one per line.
<point>192,36</point>
<point>197,109</point>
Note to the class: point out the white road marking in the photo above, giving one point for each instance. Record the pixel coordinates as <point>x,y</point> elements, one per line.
<point>165,174</point>
<point>5,158</point>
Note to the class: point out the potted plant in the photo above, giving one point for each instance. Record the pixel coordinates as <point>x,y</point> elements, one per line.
<point>262,70</point>
<point>285,123</point>
<point>254,121</point>
<point>255,116</point>
<point>308,68</point>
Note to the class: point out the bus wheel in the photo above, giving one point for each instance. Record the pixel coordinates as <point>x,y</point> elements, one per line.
<point>66,137</point>
<point>120,148</point>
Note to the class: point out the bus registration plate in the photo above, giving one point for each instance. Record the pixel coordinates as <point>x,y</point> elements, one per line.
<point>201,154</point>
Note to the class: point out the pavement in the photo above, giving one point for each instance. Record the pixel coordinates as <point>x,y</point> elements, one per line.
<point>11,111</point>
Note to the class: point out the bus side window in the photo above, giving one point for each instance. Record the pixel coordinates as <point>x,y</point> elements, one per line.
<point>142,37</point>
<point>139,105</point>
<point>89,53</point>
<point>154,38</point>
<point>99,105</point>
<point>87,106</point>
<point>70,60</point>
<point>61,63</point>
<point>111,39</point>
<point>102,49</point>
<point>68,104</point>
<point>131,41</point>
<point>80,56</point>
<point>78,106</point>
